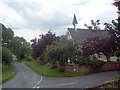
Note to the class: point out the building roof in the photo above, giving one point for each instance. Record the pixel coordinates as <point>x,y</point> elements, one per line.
<point>81,35</point>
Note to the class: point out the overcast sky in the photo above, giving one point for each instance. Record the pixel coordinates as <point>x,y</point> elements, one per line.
<point>30,18</point>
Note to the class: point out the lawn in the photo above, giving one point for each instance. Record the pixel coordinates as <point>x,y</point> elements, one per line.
<point>46,71</point>
<point>6,72</point>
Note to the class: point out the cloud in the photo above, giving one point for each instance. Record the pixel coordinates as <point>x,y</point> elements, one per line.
<point>42,15</point>
<point>28,34</point>
<point>10,17</point>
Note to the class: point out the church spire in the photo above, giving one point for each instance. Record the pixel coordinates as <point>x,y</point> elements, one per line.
<point>74,22</point>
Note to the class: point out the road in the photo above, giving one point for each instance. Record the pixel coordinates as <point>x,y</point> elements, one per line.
<point>27,78</point>
<point>24,78</point>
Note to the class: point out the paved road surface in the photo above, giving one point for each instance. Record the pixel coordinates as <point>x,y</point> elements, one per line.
<point>27,78</point>
<point>24,78</point>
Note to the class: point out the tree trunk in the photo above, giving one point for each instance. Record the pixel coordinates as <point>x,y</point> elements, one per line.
<point>108,58</point>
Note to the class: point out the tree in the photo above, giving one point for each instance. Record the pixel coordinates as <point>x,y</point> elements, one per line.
<point>95,45</point>
<point>117,24</point>
<point>117,4</point>
<point>6,55</point>
<point>62,50</point>
<point>40,45</point>
<point>7,35</point>
<point>94,25</point>
<point>19,46</point>
<point>107,46</point>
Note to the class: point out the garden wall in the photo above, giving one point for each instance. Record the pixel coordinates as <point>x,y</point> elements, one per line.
<point>109,66</point>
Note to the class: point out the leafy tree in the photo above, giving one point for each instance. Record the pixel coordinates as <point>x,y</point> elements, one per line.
<point>6,55</point>
<point>107,46</point>
<point>117,27</point>
<point>19,46</point>
<point>7,35</point>
<point>62,50</point>
<point>117,4</point>
<point>95,45</point>
<point>40,45</point>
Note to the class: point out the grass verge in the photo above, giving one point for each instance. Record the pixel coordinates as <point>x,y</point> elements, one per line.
<point>6,72</point>
<point>0,72</point>
<point>46,71</point>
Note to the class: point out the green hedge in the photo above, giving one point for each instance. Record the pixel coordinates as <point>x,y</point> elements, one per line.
<point>6,55</point>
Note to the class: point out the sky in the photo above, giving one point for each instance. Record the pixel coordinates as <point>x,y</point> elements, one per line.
<point>30,18</point>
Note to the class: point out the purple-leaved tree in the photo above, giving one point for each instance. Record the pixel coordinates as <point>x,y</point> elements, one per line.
<point>39,45</point>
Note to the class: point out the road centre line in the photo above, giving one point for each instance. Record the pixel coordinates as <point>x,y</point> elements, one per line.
<point>38,83</point>
<point>57,85</point>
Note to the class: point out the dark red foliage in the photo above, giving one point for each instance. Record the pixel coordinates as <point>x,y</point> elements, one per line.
<point>105,45</point>
<point>39,45</point>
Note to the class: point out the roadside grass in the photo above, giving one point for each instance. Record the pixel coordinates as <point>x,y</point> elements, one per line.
<point>6,72</point>
<point>46,71</point>
<point>0,73</point>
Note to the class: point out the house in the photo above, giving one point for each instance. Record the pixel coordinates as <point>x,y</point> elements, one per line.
<point>80,35</point>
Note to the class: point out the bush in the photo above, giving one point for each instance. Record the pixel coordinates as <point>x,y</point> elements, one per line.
<point>60,51</point>
<point>6,55</point>
<point>116,81</point>
<point>117,53</point>
<point>44,58</point>
<point>83,60</point>
<point>96,64</point>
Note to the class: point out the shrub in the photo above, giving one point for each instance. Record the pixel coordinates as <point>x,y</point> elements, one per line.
<point>117,53</point>
<point>44,59</point>
<point>83,60</point>
<point>115,81</point>
<point>6,55</point>
<point>96,64</point>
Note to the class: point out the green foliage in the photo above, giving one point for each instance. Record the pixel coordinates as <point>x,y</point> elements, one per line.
<point>116,81</point>
<point>61,50</point>
<point>96,64</point>
<point>7,34</point>
<point>28,56</point>
<point>44,58</point>
<point>19,46</point>
<point>6,72</point>
<point>0,54</point>
<point>117,53</point>
<point>6,55</point>
<point>83,60</point>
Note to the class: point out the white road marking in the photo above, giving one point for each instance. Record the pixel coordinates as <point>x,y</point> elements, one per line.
<point>34,87</point>
<point>40,79</point>
<point>38,83</point>
<point>57,85</point>
<point>38,87</point>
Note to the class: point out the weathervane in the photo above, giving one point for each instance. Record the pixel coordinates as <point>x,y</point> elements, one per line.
<point>74,22</point>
